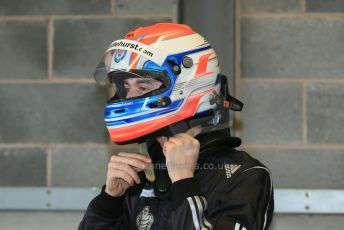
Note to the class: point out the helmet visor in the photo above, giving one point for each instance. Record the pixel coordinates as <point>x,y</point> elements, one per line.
<point>137,83</point>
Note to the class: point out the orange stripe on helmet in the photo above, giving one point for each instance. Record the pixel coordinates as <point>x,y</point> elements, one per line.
<point>134,59</point>
<point>149,39</point>
<point>202,66</point>
<point>177,34</point>
<point>160,31</point>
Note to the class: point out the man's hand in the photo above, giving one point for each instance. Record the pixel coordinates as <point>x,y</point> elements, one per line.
<point>122,172</point>
<point>181,152</point>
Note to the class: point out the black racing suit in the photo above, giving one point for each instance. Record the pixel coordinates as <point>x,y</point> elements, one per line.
<point>230,190</point>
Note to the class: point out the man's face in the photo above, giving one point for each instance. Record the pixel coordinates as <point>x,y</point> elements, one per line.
<point>139,86</point>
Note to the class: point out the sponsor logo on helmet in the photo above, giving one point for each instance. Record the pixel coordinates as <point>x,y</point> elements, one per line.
<point>122,104</point>
<point>119,55</point>
<point>131,45</point>
<point>152,53</point>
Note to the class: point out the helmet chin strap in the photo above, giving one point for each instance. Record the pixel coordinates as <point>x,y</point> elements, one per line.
<point>149,171</point>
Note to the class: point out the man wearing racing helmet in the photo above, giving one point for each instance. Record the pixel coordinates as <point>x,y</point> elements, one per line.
<point>168,95</point>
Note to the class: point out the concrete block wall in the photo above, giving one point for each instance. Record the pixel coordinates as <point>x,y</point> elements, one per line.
<point>52,131</point>
<point>290,74</point>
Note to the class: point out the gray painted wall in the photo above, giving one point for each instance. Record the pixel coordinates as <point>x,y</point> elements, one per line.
<point>215,21</point>
<point>292,82</point>
<point>52,128</point>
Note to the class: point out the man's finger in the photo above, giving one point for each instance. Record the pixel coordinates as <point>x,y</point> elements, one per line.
<point>124,176</point>
<point>132,173</point>
<point>127,169</point>
<point>136,156</point>
<point>183,136</point>
<point>129,161</point>
<point>194,131</point>
<point>167,147</point>
<point>175,140</point>
<point>162,140</point>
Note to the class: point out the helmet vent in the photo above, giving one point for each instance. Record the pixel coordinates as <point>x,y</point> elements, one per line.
<point>119,111</point>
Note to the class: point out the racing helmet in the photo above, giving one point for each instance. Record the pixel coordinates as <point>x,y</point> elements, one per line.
<point>158,77</point>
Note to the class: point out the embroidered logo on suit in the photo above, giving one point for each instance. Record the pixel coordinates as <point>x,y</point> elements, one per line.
<point>231,169</point>
<point>145,219</point>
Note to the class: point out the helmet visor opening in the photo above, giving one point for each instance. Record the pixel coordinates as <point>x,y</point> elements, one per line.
<point>135,83</point>
<point>123,83</point>
<point>138,83</point>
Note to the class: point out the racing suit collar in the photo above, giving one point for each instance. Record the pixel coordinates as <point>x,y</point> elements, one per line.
<point>210,143</point>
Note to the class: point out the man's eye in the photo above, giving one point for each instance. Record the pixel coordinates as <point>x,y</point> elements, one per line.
<point>142,88</point>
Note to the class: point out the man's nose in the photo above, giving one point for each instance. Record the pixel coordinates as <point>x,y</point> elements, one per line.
<point>132,93</point>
